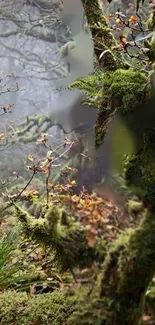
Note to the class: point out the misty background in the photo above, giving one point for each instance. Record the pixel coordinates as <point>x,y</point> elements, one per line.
<point>32,68</point>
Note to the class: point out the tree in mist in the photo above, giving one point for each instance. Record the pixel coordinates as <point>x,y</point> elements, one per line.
<point>117,294</point>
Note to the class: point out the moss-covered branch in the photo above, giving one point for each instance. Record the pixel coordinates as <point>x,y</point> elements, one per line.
<point>30,130</point>
<point>55,229</point>
<point>103,39</point>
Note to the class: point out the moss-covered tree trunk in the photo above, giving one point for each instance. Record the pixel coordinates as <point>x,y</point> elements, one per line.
<point>128,270</point>
<point>103,39</point>
<point>130,265</point>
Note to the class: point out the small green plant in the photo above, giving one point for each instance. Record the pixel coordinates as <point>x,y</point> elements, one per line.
<point>11,274</point>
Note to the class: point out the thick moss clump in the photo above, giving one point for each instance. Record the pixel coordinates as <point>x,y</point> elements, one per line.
<point>128,271</point>
<point>19,308</point>
<point>128,87</point>
<point>123,90</point>
<point>57,308</point>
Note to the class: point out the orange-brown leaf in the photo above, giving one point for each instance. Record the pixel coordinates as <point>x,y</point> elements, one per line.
<point>133,19</point>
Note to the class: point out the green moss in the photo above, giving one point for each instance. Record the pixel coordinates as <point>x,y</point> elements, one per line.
<point>90,309</point>
<point>62,234</point>
<point>128,271</point>
<point>99,26</point>
<point>125,89</point>
<point>122,90</point>
<point>80,307</point>
<point>21,308</point>
<point>102,36</point>
<point>139,171</point>
<point>129,88</point>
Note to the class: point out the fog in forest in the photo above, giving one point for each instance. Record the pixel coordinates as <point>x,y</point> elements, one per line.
<point>38,56</point>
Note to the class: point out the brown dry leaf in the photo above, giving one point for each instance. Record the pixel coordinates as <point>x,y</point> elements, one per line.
<point>133,19</point>
<point>123,40</point>
<point>51,184</point>
<point>91,238</point>
<point>98,202</point>
<point>29,194</point>
<point>109,16</point>
<point>43,139</point>
<point>146,318</point>
<point>43,169</point>
<point>91,234</point>
<point>82,202</point>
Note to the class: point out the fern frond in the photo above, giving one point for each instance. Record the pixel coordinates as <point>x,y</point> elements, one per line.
<point>91,86</point>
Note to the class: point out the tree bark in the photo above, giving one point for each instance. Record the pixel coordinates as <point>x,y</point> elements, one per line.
<point>128,270</point>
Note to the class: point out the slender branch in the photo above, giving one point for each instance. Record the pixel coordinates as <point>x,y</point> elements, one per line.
<point>16,198</point>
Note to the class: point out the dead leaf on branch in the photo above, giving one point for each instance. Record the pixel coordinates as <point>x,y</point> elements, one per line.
<point>43,139</point>
<point>133,19</point>
<point>29,194</point>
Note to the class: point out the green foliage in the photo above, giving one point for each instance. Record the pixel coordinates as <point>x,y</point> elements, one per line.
<point>122,90</point>
<point>91,86</point>
<point>11,274</point>
<point>89,308</point>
